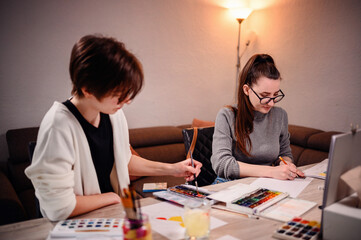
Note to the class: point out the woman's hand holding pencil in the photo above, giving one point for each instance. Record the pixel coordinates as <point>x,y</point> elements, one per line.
<point>291,171</point>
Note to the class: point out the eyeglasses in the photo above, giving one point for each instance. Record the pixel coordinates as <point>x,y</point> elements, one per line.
<point>266,100</point>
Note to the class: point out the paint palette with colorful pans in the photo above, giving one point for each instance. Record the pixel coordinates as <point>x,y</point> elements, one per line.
<point>257,198</point>
<point>299,229</point>
<point>187,191</point>
<point>74,228</point>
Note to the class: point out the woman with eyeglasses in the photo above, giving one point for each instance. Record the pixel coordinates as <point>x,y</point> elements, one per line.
<point>252,137</point>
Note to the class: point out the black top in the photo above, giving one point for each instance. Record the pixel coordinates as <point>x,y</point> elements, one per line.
<point>100,140</point>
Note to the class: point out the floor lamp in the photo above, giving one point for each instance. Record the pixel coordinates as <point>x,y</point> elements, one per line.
<point>240,14</point>
<point>238,65</point>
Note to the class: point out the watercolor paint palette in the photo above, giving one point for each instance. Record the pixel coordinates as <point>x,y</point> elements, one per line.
<point>183,194</point>
<point>189,192</point>
<point>72,228</point>
<point>298,229</point>
<point>262,195</point>
<point>257,200</point>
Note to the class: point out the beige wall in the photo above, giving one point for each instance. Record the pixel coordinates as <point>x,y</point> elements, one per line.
<point>188,50</point>
<point>317,47</point>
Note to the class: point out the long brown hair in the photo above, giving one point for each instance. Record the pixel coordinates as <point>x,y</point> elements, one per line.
<point>259,65</point>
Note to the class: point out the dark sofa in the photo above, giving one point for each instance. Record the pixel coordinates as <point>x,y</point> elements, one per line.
<point>309,145</point>
<point>164,143</point>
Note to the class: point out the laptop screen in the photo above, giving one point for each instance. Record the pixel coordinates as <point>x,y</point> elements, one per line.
<point>344,155</point>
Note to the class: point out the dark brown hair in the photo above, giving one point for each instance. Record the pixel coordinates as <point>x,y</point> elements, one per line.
<point>259,65</point>
<point>103,66</point>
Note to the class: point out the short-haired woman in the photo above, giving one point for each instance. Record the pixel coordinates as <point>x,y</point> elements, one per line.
<point>82,155</point>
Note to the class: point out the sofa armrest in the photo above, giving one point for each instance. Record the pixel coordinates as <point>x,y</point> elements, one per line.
<point>10,206</point>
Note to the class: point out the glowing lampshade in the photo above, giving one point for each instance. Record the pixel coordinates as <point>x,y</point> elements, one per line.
<point>240,13</point>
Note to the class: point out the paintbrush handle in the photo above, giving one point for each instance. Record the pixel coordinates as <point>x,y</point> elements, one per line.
<point>195,177</point>
<point>190,152</point>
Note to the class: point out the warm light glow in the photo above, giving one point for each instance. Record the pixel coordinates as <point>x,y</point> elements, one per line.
<point>240,13</point>
<point>254,4</point>
<point>233,3</point>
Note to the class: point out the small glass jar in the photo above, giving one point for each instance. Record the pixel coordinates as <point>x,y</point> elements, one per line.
<point>197,220</point>
<point>137,229</point>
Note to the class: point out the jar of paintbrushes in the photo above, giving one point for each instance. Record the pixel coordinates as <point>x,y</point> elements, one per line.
<point>136,225</point>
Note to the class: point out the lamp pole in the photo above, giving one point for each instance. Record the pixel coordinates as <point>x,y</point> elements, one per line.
<point>238,57</point>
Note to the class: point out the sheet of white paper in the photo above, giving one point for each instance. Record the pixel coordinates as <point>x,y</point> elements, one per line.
<point>317,171</point>
<point>293,188</point>
<point>227,237</point>
<point>167,219</point>
<point>288,208</point>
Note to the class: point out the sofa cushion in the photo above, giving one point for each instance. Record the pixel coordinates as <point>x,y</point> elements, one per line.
<point>170,153</point>
<point>18,140</point>
<point>201,123</point>
<point>296,153</point>
<point>18,178</point>
<point>321,141</point>
<point>310,156</point>
<point>300,135</point>
<point>154,136</point>
<point>183,126</point>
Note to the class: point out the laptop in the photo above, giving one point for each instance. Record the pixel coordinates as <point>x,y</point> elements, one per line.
<point>344,155</point>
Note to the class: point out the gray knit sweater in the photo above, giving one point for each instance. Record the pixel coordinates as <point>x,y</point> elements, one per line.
<point>270,139</point>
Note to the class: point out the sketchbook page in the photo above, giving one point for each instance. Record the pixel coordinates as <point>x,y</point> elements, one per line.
<point>293,188</point>
<point>233,192</point>
<point>167,219</point>
<point>317,171</point>
<point>287,209</point>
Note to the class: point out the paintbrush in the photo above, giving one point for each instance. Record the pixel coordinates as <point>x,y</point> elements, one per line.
<point>195,178</point>
<point>128,204</point>
<point>136,203</point>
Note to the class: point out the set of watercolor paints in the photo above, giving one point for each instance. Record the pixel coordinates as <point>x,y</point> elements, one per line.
<point>111,227</point>
<point>299,229</point>
<point>257,198</point>
<point>187,191</point>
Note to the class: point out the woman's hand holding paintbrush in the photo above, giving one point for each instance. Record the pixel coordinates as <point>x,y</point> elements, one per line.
<point>186,170</point>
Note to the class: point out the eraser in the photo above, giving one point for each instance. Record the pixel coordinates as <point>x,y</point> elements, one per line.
<point>154,187</point>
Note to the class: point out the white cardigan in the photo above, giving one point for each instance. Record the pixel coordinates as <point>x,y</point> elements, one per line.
<point>62,166</point>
